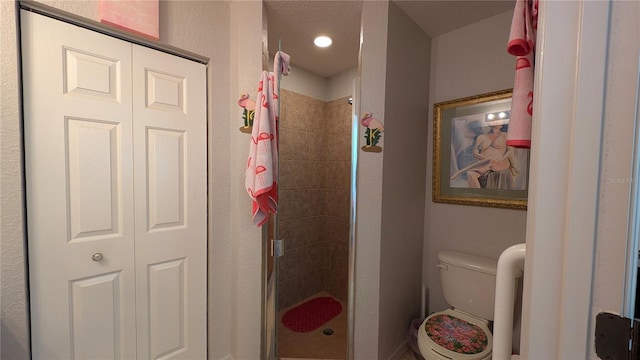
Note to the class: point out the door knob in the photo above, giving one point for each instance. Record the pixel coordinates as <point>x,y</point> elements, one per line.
<point>97,257</point>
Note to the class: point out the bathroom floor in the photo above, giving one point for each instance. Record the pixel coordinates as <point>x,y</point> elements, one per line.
<point>315,344</point>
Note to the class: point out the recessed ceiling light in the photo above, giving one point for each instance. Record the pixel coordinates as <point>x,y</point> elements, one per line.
<point>322,41</point>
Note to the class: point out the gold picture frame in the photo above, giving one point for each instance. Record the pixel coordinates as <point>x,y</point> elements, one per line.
<point>471,163</point>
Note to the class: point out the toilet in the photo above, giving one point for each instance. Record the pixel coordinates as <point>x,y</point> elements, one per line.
<point>468,284</point>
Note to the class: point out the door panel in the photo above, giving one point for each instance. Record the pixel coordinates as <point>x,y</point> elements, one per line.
<point>167,309</point>
<point>93,157</point>
<point>95,317</point>
<point>165,159</point>
<point>77,109</point>
<point>170,180</point>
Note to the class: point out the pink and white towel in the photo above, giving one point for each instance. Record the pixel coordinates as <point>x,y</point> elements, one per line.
<point>522,45</point>
<point>261,175</point>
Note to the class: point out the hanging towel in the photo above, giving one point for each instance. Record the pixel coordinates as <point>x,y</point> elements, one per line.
<point>262,166</point>
<point>522,45</point>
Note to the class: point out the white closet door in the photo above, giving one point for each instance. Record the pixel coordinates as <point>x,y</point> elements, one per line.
<point>169,128</point>
<point>78,145</point>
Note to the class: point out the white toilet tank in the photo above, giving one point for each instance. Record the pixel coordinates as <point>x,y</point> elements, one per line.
<point>468,282</point>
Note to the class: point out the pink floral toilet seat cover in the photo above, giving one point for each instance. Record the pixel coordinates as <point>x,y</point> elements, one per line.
<point>456,334</point>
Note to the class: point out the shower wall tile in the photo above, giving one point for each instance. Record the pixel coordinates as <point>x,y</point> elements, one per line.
<point>284,203</point>
<point>282,271</point>
<point>336,284</point>
<point>292,174</point>
<point>305,229</point>
<point>339,258</point>
<point>304,112</point>
<point>340,175</point>
<point>297,170</point>
<point>292,266</point>
<point>314,283</point>
<point>314,117</point>
<point>297,117</point>
<point>319,201</point>
<point>294,145</point>
<point>295,233</point>
<point>339,230</point>
<point>318,255</point>
<point>283,119</point>
<point>340,203</point>
<point>319,230</point>
<point>319,147</point>
<point>293,204</point>
<point>332,114</point>
<point>318,175</point>
<point>341,149</point>
<point>289,291</point>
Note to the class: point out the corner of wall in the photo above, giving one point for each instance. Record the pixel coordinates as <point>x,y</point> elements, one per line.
<point>14,326</point>
<point>246,62</point>
<point>369,184</point>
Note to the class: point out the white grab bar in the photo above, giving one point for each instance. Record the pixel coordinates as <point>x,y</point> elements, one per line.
<point>510,267</point>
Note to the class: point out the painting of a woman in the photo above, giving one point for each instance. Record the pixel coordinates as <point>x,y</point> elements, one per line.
<point>481,157</point>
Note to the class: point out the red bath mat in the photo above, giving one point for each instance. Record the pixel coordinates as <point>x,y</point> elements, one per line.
<point>312,314</point>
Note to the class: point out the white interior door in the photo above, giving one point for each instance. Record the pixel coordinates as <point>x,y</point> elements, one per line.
<point>169,111</point>
<point>116,196</point>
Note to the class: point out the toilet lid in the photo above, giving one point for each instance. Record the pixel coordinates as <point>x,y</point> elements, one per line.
<point>457,335</point>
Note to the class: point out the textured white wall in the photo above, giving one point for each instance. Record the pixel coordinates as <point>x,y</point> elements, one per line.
<point>369,183</point>
<point>207,28</point>
<point>341,85</point>
<point>468,61</point>
<point>307,83</point>
<point>246,257</point>
<point>14,323</point>
<point>404,179</point>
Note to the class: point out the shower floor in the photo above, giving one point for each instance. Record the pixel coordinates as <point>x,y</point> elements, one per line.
<point>314,344</point>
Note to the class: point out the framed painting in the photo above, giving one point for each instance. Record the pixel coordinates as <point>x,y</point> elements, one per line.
<point>472,164</point>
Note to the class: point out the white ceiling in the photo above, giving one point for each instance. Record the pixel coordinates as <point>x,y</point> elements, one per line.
<point>296,23</point>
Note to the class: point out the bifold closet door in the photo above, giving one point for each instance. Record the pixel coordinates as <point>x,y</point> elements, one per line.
<point>116,196</point>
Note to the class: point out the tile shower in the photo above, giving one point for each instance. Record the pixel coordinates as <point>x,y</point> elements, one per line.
<point>315,163</point>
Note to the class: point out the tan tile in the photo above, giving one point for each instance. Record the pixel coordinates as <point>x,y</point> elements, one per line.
<point>319,147</point>
<point>339,230</point>
<point>286,204</point>
<point>314,283</point>
<point>289,291</point>
<point>340,203</point>
<point>300,204</point>
<point>295,261</point>
<point>319,202</point>
<point>342,147</point>
<point>318,175</point>
<point>293,145</point>
<point>341,175</point>
<point>300,169</point>
<point>319,229</point>
<point>339,258</point>
<point>290,232</point>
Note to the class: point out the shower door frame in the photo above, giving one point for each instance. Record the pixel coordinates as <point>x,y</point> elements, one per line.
<point>270,233</point>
